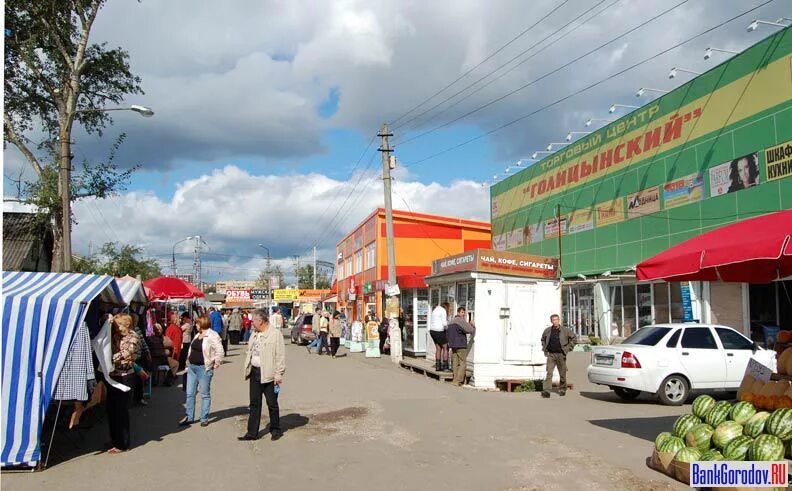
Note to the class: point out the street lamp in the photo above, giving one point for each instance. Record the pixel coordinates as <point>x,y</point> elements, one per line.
<point>536,154</point>
<point>64,181</point>
<point>144,111</point>
<point>708,52</point>
<point>569,135</point>
<point>754,25</point>
<point>556,144</point>
<point>675,70</point>
<point>613,107</point>
<point>644,90</point>
<point>173,251</point>
<point>591,120</point>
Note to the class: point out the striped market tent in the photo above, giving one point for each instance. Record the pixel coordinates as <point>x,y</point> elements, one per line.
<point>41,313</point>
<point>133,293</point>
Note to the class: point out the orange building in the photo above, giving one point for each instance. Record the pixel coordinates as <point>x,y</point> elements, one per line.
<point>362,264</point>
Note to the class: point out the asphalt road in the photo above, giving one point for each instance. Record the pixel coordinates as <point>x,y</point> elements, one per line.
<point>355,423</point>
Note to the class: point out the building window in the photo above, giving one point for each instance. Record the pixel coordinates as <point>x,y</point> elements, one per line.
<point>371,255</point>
<point>341,271</point>
<point>358,262</point>
<point>348,269</point>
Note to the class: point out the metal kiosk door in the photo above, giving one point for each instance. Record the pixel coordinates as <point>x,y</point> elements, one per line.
<point>518,316</point>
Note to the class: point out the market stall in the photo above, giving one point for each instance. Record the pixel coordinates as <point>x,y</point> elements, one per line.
<point>509,297</point>
<point>43,313</point>
<point>134,294</point>
<point>171,294</point>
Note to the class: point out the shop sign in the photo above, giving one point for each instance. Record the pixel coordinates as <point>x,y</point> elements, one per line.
<point>684,190</point>
<point>581,220</point>
<point>367,288</point>
<point>643,202</point>
<point>501,262</point>
<point>237,297</point>
<point>734,175</point>
<point>286,294</point>
<point>259,294</point>
<point>551,227</point>
<point>274,282</point>
<point>778,161</point>
<point>313,293</point>
<point>687,304</point>
<point>610,212</point>
<point>499,242</point>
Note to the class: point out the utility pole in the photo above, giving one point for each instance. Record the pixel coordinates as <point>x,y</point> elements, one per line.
<point>64,189</point>
<point>197,261</point>
<point>386,181</point>
<point>314,268</point>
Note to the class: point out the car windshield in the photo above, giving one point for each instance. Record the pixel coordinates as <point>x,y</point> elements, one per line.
<point>648,336</point>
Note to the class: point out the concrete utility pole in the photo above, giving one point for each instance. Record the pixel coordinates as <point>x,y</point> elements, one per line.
<point>314,268</point>
<point>386,181</point>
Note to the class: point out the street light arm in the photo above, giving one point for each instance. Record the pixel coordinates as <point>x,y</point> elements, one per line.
<point>142,110</point>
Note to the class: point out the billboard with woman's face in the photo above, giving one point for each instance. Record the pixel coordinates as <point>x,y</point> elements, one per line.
<point>737,174</point>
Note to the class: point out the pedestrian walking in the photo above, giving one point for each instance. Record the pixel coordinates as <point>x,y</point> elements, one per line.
<point>126,345</point>
<point>247,326</point>
<point>383,328</point>
<point>187,335</point>
<point>234,327</point>
<point>324,329</point>
<point>265,365</point>
<point>335,333</point>
<point>438,323</point>
<point>204,357</point>
<point>557,341</point>
<point>175,334</point>
<point>458,329</point>
<point>276,319</point>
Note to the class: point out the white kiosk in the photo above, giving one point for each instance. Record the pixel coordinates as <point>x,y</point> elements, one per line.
<point>510,298</point>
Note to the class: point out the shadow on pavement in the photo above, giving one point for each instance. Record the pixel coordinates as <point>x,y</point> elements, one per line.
<point>147,423</point>
<point>643,428</point>
<point>231,412</point>
<point>289,422</point>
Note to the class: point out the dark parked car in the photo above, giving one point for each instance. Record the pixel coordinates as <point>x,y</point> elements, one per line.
<point>302,332</point>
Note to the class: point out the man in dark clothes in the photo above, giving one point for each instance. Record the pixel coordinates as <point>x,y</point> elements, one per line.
<point>457,332</point>
<point>557,341</point>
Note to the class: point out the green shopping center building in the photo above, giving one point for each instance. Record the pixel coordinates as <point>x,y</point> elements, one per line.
<point>715,150</point>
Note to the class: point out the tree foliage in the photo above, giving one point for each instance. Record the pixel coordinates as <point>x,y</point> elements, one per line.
<point>118,260</point>
<point>305,278</point>
<point>263,279</point>
<point>54,77</point>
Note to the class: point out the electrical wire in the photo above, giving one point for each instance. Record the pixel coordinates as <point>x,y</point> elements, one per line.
<point>520,54</point>
<point>499,77</point>
<point>552,72</point>
<point>469,71</point>
<point>580,91</point>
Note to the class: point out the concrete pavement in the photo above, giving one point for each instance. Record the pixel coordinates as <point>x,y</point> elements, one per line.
<point>355,423</point>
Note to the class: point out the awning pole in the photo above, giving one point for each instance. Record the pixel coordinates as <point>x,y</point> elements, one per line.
<point>52,437</point>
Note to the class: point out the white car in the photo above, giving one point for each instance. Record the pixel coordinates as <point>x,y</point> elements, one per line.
<point>671,360</point>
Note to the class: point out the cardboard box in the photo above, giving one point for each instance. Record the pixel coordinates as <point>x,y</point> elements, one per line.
<point>661,462</point>
<point>681,471</point>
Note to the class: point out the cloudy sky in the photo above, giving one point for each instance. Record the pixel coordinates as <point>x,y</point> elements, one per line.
<point>265,110</point>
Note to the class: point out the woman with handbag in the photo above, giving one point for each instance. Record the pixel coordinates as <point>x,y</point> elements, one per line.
<point>204,357</point>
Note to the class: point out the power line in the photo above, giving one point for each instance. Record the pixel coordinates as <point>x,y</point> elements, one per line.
<point>552,72</point>
<point>580,91</point>
<point>515,38</point>
<point>499,77</point>
<point>492,72</point>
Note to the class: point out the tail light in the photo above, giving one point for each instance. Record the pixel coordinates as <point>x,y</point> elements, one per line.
<point>629,360</point>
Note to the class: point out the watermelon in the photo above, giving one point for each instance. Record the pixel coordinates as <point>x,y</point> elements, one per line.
<point>780,424</point>
<point>688,455</point>
<point>672,445</point>
<point>766,447</point>
<point>726,432</point>
<point>737,448</point>
<point>684,424</point>
<point>711,455</point>
<point>756,425</point>
<point>699,436</point>
<point>662,437</point>
<point>718,414</point>
<point>702,405</point>
<point>742,412</point>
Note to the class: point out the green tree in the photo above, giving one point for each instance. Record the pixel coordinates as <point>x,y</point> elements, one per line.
<point>305,278</point>
<point>119,260</point>
<point>263,279</point>
<point>54,78</point>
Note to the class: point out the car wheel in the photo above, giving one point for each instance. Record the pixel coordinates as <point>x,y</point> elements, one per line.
<point>626,394</point>
<point>674,390</point>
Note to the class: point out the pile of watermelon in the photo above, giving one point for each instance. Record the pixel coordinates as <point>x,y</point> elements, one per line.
<point>725,431</point>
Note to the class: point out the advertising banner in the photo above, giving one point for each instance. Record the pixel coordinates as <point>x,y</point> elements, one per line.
<point>259,294</point>
<point>515,238</point>
<point>238,297</point>
<point>778,160</point>
<point>580,220</point>
<point>491,261</point>
<point>643,202</point>
<point>610,212</point>
<point>684,190</point>
<point>740,173</point>
<point>533,233</point>
<point>286,294</point>
<point>499,242</point>
<point>551,227</point>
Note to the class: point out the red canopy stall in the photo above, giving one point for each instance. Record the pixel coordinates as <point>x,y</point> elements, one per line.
<point>755,250</point>
<point>168,287</point>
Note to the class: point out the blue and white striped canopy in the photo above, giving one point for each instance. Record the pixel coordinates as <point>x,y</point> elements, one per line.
<point>41,313</point>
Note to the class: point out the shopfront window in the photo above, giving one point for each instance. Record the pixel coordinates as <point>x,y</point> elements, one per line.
<point>660,303</point>
<point>630,314</point>
<point>435,297</point>
<point>644,305</point>
<point>578,309</point>
<point>408,333</point>
<point>466,297</point>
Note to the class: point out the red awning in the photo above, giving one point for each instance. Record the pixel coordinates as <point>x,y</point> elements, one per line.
<point>165,287</point>
<point>755,250</point>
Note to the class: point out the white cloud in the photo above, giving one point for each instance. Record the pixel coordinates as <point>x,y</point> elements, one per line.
<point>235,211</point>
